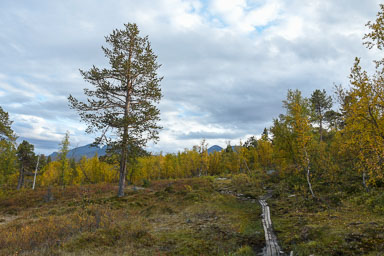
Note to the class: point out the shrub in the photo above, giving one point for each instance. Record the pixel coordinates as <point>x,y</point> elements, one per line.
<point>240,180</point>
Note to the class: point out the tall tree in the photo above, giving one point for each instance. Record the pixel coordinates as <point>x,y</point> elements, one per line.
<point>6,132</point>
<point>292,136</point>
<point>320,104</point>
<point>7,147</point>
<point>27,161</point>
<point>363,109</point>
<point>123,101</point>
<point>63,158</point>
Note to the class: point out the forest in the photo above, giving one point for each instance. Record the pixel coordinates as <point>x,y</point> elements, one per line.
<point>322,158</point>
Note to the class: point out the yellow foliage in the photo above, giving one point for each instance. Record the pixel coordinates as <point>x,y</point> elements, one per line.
<point>51,174</point>
<point>87,171</point>
<point>93,171</point>
<point>364,129</point>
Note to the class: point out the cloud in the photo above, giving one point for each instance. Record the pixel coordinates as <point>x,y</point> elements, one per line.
<point>207,135</point>
<point>227,65</point>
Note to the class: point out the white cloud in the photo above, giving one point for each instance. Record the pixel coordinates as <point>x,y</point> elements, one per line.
<point>35,127</point>
<point>227,64</point>
<point>242,17</point>
<point>290,29</point>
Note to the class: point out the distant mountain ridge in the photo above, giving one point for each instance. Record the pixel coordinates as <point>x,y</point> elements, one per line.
<point>88,151</point>
<point>214,148</point>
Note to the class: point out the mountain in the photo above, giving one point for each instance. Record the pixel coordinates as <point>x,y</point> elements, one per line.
<point>87,151</point>
<point>90,151</point>
<point>214,148</point>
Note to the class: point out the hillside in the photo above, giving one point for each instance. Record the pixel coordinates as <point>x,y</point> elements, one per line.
<point>90,151</point>
<point>87,151</point>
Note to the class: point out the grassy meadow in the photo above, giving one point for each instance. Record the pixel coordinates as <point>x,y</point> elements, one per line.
<point>169,217</point>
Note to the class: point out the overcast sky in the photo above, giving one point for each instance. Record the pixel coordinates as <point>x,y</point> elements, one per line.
<point>227,64</point>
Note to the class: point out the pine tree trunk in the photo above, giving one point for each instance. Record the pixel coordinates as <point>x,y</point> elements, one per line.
<point>123,169</point>
<point>123,162</point>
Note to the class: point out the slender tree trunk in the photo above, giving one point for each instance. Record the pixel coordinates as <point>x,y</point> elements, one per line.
<point>123,159</point>
<point>34,178</point>
<point>246,165</point>
<point>21,178</point>
<point>309,182</point>
<point>308,174</point>
<point>123,169</point>
<point>365,182</point>
<point>124,152</point>
<point>131,174</point>
<point>62,172</point>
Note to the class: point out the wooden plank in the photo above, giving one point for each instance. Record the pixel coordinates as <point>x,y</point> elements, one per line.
<point>272,247</point>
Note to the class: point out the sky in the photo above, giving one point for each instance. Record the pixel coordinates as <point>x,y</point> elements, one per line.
<point>227,64</point>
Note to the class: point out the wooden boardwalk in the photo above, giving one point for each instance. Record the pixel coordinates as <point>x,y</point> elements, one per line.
<point>272,248</point>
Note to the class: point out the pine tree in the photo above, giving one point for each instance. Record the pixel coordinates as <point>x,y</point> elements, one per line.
<point>6,132</point>
<point>122,106</point>
<point>7,147</point>
<point>27,161</point>
<point>320,104</point>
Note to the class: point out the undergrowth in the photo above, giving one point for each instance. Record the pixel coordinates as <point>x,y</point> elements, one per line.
<point>168,217</point>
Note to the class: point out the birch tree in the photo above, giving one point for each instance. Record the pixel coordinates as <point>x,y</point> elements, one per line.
<point>363,109</point>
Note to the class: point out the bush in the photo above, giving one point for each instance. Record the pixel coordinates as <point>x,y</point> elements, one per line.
<point>241,180</point>
<point>146,183</point>
<point>374,201</point>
